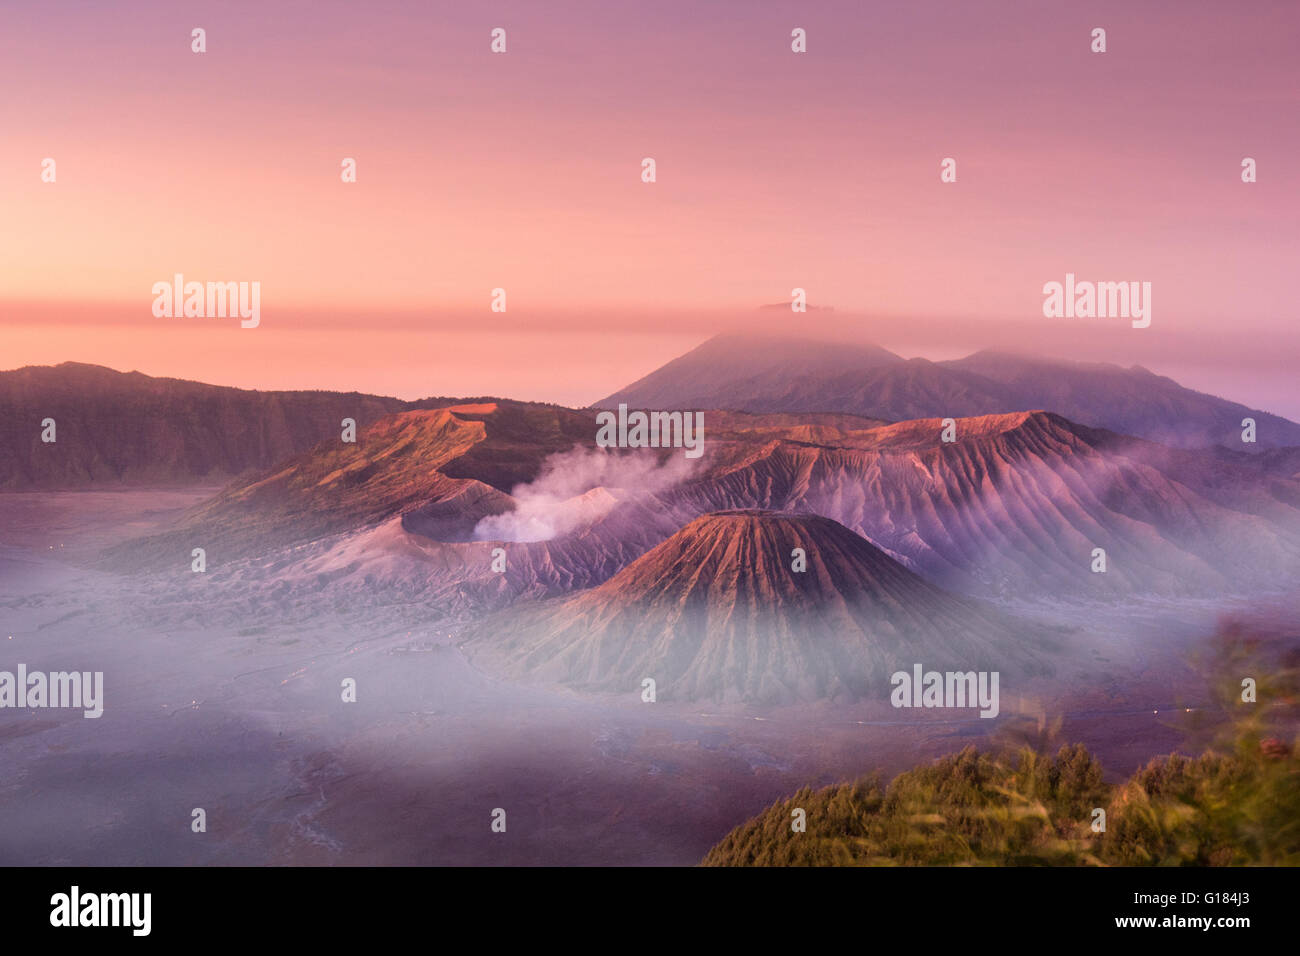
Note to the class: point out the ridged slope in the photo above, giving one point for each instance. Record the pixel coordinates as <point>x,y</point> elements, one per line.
<point>1016,505</point>
<point>717,612</point>
<point>441,466</point>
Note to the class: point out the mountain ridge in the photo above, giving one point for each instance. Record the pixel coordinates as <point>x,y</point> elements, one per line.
<point>130,429</point>
<point>735,371</point>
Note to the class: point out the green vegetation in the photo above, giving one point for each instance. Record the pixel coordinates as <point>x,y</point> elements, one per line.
<point>1237,804</point>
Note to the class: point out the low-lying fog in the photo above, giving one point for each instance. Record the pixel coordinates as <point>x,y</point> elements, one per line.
<point>230,699</point>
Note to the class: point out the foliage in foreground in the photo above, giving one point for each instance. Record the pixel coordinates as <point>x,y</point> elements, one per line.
<point>1236,804</point>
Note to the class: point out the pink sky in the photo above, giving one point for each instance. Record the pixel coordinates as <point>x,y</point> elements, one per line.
<point>521,171</point>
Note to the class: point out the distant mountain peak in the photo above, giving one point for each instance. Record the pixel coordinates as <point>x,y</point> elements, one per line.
<point>765,373</point>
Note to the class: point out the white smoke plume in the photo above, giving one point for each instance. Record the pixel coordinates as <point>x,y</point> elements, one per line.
<point>578,486</point>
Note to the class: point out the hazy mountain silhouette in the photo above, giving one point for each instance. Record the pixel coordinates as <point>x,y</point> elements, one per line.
<point>768,374</point>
